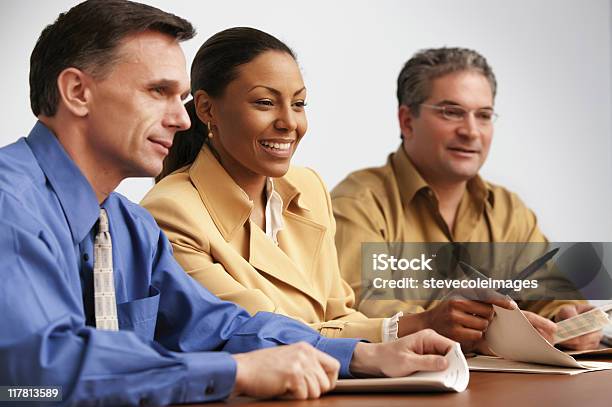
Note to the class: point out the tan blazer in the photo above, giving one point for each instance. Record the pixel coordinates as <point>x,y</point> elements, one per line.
<point>205,215</point>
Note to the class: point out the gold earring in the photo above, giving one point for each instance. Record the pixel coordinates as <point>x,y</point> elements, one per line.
<point>210,133</point>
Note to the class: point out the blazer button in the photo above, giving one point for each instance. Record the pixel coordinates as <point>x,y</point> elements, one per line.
<point>144,402</point>
<point>210,389</point>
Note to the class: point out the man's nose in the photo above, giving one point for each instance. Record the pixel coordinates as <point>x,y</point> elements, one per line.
<point>177,117</point>
<point>469,126</point>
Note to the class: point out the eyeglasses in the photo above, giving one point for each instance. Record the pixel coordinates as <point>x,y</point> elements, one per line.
<point>456,113</point>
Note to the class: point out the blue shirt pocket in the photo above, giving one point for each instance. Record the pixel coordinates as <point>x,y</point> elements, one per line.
<point>140,315</point>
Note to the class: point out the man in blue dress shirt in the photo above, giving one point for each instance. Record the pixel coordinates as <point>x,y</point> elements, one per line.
<point>108,79</point>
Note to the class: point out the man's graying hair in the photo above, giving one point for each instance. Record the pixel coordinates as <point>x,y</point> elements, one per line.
<point>415,78</point>
<point>87,37</point>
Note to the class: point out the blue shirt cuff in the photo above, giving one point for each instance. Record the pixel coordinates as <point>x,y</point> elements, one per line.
<point>341,349</point>
<point>210,375</point>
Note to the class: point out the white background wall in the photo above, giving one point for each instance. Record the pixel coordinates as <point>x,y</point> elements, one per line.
<point>552,59</point>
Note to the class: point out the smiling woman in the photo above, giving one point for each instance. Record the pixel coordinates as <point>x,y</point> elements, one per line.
<point>242,221</point>
<point>259,120</point>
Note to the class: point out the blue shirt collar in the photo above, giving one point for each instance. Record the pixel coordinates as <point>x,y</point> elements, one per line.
<point>76,196</point>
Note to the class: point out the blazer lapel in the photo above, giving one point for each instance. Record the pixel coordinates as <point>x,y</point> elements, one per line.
<point>228,205</point>
<point>266,257</point>
<point>299,241</point>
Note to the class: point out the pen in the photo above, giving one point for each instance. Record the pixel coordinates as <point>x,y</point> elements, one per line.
<point>526,272</point>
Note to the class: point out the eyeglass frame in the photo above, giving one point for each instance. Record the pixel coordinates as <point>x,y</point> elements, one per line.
<point>442,109</point>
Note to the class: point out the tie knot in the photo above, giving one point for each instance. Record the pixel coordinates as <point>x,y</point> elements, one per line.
<point>103,224</point>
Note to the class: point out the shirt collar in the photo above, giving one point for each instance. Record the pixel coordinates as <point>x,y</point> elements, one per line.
<point>410,181</point>
<point>274,211</point>
<point>76,196</point>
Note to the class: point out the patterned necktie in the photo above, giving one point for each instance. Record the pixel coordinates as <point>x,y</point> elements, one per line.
<point>104,286</point>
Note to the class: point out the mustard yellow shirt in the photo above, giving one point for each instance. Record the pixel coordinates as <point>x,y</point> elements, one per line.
<point>206,217</point>
<point>393,203</point>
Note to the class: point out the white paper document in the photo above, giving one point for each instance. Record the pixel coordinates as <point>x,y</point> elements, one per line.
<point>582,324</point>
<point>454,378</point>
<point>496,364</point>
<point>512,337</point>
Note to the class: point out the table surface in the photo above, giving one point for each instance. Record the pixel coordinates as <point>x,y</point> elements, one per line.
<point>590,389</point>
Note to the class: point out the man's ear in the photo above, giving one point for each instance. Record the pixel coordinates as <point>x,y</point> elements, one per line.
<point>73,86</point>
<point>405,117</point>
<point>203,106</point>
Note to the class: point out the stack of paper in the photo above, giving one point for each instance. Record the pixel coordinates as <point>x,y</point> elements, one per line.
<point>454,378</point>
<point>512,337</point>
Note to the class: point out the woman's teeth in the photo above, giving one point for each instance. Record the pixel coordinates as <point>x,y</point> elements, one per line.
<point>277,146</point>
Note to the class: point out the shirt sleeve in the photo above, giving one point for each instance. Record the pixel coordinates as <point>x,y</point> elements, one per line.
<point>391,327</point>
<point>340,307</point>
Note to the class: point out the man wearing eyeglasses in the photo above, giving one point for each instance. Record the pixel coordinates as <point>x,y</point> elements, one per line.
<point>430,191</point>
